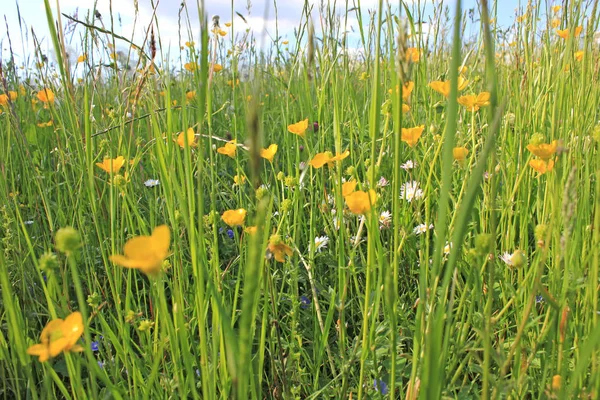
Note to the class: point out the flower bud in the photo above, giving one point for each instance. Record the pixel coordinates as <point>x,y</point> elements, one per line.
<point>67,240</point>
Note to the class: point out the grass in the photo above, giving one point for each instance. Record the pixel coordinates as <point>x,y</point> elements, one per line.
<point>389,307</point>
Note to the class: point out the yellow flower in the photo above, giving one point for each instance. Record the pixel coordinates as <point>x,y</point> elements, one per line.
<point>59,336</point>
<point>565,32</point>
<point>239,179</point>
<point>348,187</point>
<point>46,95</point>
<point>250,230</point>
<point>234,217</point>
<point>146,253</point>
<point>556,382</point>
<point>406,90</point>
<point>555,22</point>
<point>556,9</point>
<point>320,159</point>
<point>579,55</point>
<point>278,248</point>
<point>412,54</point>
<point>228,149</point>
<point>522,18</point>
<point>228,24</point>
<point>45,124</point>
<point>230,82</point>
<point>543,150</point>
<point>285,42</point>
<point>360,202</point>
<point>269,152</point>
<point>443,87</point>
<point>405,108</point>
<point>460,153</point>
<point>190,66</point>
<point>411,135</point>
<point>217,68</point>
<point>82,58</point>
<point>542,166</point>
<point>191,95</point>
<point>111,165</point>
<point>189,44</point>
<point>189,136</point>
<point>472,102</point>
<point>299,128</point>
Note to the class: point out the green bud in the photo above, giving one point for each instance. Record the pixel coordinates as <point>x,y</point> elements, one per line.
<point>483,244</point>
<point>536,139</point>
<point>280,176</point>
<point>48,261</point>
<point>286,205</point>
<point>145,325</point>
<point>518,259</point>
<point>261,192</point>
<point>67,240</point>
<point>350,170</point>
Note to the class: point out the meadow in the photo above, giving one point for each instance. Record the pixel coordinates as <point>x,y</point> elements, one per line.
<point>412,215</point>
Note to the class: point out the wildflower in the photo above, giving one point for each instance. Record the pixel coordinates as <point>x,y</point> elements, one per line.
<point>269,152</point>
<point>544,151</point>
<point>146,253</point>
<point>151,183</point>
<point>304,302</point>
<point>217,68</point>
<point>380,386</point>
<point>412,54</point>
<point>285,42</point>
<point>555,22</point>
<point>460,153</point>
<point>556,382</point>
<point>321,243</point>
<point>564,34</point>
<point>408,165</point>
<point>422,228</point>
<point>447,248</point>
<point>188,136</point>
<point>385,218</point>
<point>111,165</point>
<point>472,102</point>
<point>94,346</point>
<point>82,58</point>
<point>45,124</point>
<point>579,55</point>
<point>517,259</point>
<point>410,191</point>
<point>542,166</point>
<point>4,97</point>
<point>228,149</point>
<point>230,233</point>
<point>190,66</point>
<point>299,128</point>
<point>278,248</point>
<point>382,182</point>
<point>360,202</point>
<point>411,135</point>
<point>348,187</point>
<point>556,9</point>
<point>191,95</point>
<point>189,44</point>
<point>234,217</point>
<point>315,126</point>
<point>67,240</point>
<point>46,96</point>
<point>239,179</point>
<point>59,336</point>
<point>443,87</point>
<point>219,31</point>
<point>407,89</point>
<point>320,159</point>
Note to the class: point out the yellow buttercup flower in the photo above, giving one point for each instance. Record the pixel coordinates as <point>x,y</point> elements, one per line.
<point>542,166</point>
<point>217,68</point>
<point>460,153</point>
<point>407,89</point>
<point>190,66</point>
<point>189,136</point>
<point>443,87</point>
<point>565,32</point>
<point>239,179</point>
<point>555,22</point>
<point>411,135</point>
<point>413,54</point>
<point>234,217</point>
<point>360,202</point>
<point>543,150</point>
<point>146,253</point>
<point>278,248</point>
<point>348,187</point>
<point>579,55</point>
<point>190,44</point>
<point>59,336</point>
<point>228,149</point>
<point>250,230</point>
<point>46,96</point>
<point>472,102</point>
<point>269,152</point>
<point>111,164</point>
<point>4,97</point>
<point>556,9</point>
<point>82,58</point>
<point>320,159</point>
<point>299,128</point>
<point>191,95</point>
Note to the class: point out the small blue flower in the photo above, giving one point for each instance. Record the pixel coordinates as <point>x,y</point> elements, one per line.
<point>539,298</point>
<point>101,364</point>
<point>381,386</point>
<point>304,302</point>
<point>230,233</point>
<point>95,346</point>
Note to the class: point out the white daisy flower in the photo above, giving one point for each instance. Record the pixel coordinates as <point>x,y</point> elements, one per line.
<point>385,218</point>
<point>422,228</point>
<point>321,243</point>
<point>408,165</point>
<point>383,182</point>
<point>410,191</point>
<point>151,183</point>
<point>516,259</point>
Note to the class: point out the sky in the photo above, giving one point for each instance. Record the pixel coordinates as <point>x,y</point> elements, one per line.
<point>289,14</point>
